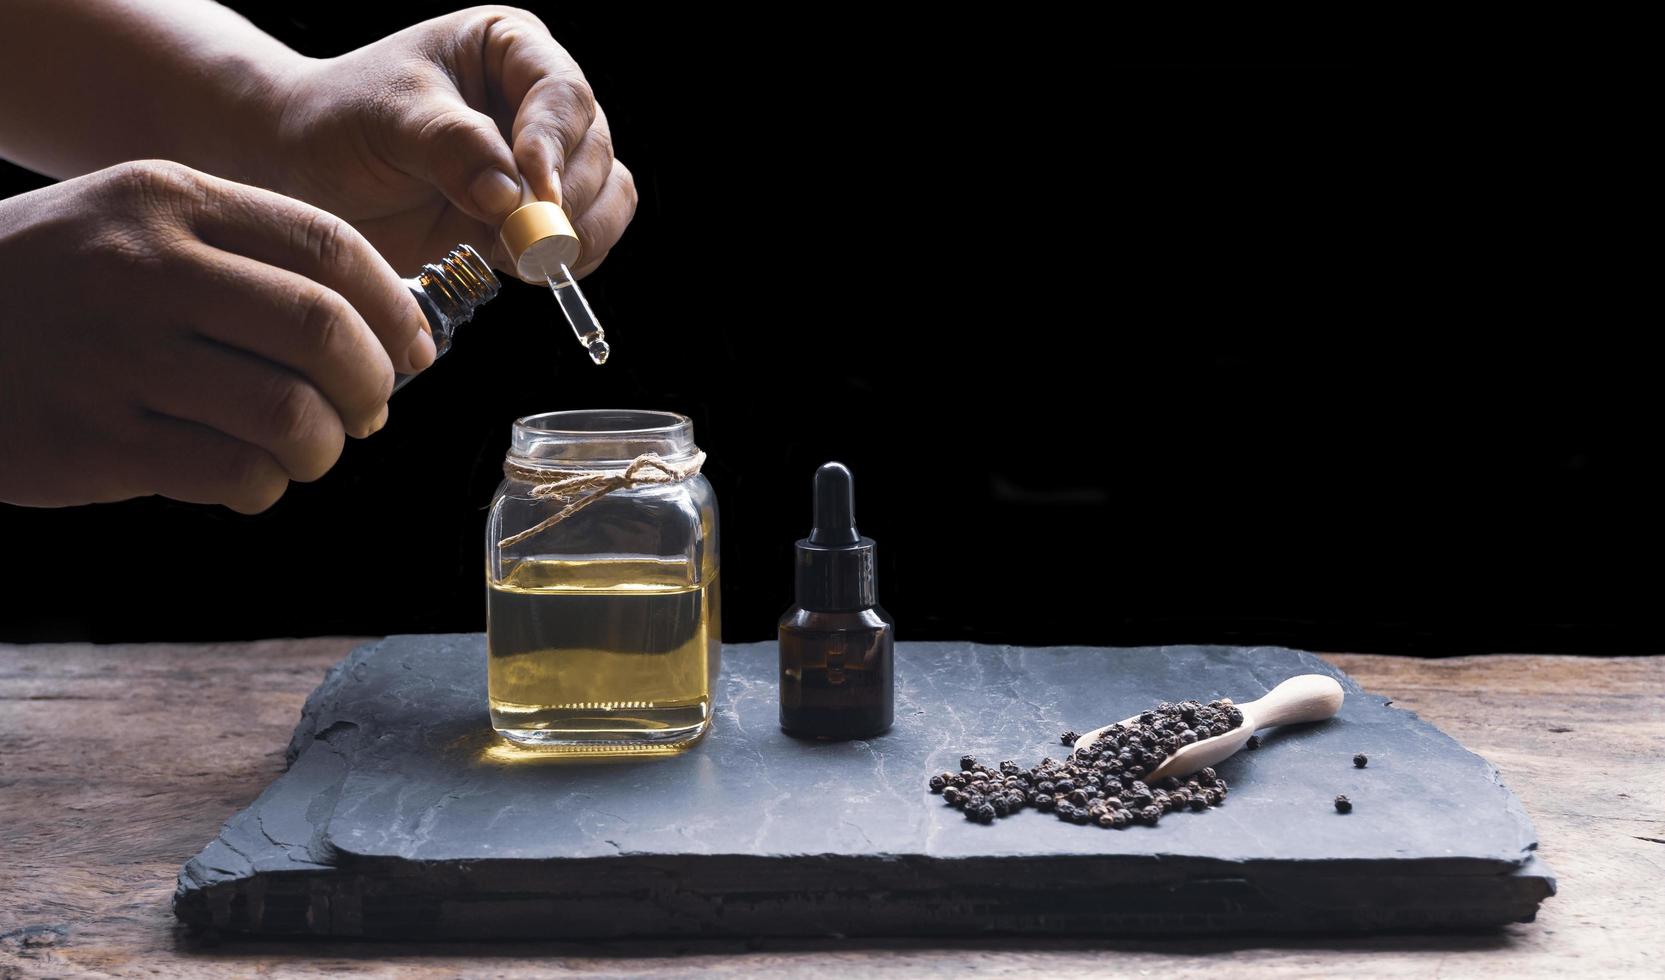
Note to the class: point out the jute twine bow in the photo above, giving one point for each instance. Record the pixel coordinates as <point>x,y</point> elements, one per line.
<point>580,489</point>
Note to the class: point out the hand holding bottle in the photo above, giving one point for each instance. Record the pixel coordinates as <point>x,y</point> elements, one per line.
<point>168,332</point>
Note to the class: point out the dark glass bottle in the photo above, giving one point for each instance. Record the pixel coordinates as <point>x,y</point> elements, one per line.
<point>448,292</point>
<point>837,647</point>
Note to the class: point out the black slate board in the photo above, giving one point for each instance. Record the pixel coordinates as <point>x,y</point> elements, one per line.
<point>396,820</point>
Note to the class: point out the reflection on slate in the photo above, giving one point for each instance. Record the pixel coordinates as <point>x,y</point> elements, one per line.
<point>395,819</point>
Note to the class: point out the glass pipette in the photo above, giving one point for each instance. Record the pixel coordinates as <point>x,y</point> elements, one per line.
<point>577,309</point>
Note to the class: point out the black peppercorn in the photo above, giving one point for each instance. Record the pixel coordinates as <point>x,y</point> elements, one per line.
<point>1254,741</point>
<point>1099,783</point>
<point>1361,760</point>
<point>1343,805</point>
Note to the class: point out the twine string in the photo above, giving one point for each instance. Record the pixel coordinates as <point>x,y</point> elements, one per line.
<point>578,490</point>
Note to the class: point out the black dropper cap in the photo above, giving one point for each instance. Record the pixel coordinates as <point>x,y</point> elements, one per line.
<point>836,567</point>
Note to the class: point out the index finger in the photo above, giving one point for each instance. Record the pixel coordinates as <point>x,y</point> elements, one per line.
<point>553,104</point>
<point>293,235</point>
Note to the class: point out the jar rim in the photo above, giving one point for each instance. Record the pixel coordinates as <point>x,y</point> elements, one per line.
<point>599,436</point>
<point>536,423</point>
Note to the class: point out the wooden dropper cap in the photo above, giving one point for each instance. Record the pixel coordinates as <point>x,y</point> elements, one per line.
<point>539,238</point>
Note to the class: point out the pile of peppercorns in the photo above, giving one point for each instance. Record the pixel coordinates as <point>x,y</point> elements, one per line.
<point>1101,783</point>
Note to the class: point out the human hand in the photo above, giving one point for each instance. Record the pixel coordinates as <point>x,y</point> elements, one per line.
<point>168,332</point>
<point>405,138</point>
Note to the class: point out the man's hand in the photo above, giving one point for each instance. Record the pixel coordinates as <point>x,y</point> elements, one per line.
<point>405,138</point>
<point>172,333</point>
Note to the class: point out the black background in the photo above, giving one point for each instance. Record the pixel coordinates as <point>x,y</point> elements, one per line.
<point>1126,342</point>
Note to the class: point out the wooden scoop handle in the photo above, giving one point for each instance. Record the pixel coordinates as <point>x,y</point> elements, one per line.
<point>1305,697</point>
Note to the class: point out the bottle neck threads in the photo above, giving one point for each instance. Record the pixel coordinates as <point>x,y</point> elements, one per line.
<point>454,287</point>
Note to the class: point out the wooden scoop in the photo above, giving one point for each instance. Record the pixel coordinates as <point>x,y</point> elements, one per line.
<point>1306,697</point>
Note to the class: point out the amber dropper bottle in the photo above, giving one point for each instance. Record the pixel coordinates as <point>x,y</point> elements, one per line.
<point>448,291</point>
<point>542,244</point>
<point>837,656</point>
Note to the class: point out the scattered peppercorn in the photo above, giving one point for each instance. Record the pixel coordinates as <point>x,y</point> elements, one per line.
<point>1254,741</point>
<point>1100,782</point>
<point>1343,805</point>
<point>1361,760</point>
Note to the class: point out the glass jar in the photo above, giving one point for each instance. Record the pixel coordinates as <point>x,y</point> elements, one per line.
<point>603,621</point>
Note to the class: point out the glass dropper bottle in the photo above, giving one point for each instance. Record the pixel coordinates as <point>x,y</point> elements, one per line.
<point>448,291</point>
<point>542,245</point>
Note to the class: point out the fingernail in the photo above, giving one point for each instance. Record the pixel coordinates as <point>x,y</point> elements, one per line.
<point>421,352</point>
<point>557,184</point>
<point>495,192</point>
<point>379,421</point>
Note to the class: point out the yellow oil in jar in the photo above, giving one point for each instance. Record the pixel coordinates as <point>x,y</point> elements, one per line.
<point>602,657</point>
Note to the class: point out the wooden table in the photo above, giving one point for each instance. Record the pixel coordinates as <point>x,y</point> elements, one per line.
<point>117,763</point>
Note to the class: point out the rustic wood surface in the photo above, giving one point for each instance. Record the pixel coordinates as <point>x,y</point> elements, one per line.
<point>117,763</point>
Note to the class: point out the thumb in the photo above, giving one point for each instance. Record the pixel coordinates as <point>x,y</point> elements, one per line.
<point>460,151</point>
